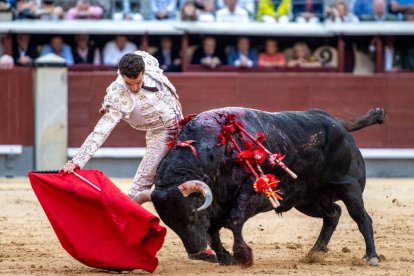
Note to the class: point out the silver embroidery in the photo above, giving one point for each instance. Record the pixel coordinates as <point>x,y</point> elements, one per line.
<point>157,147</point>
<point>98,136</point>
<point>161,111</point>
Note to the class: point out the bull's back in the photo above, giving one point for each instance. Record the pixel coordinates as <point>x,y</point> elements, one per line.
<point>316,147</point>
<point>312,140</point>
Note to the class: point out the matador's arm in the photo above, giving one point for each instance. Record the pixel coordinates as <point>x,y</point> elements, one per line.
<point>98,136</point>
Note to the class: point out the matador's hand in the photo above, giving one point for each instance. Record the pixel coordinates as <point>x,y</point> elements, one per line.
<point>69,168</point>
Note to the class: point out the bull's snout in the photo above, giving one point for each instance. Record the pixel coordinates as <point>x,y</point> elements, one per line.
<point>207,255</point>
<point>194,186</point>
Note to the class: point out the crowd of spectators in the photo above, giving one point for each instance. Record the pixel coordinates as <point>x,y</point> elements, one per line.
<point>267,11</point>
<point>84,50</point>
<point>81,49</point>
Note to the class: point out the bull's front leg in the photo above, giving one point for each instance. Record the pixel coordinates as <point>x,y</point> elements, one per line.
<point>223,256</point>
<point>242,252</point>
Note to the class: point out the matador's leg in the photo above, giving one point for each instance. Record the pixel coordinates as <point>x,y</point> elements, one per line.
<point>157,147</point>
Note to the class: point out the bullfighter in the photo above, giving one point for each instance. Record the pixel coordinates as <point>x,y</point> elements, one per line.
<point>142,96</point>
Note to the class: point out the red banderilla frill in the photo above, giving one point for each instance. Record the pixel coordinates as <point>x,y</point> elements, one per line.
<point>250,156</point>
<point>187,143</point>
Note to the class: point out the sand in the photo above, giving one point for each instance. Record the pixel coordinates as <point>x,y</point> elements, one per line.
<point>28,245</point>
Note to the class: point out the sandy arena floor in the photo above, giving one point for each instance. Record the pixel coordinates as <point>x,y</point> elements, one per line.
<point>28,245</point>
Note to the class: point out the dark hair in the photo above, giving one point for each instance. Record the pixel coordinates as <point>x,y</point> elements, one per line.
<point>131,65</point>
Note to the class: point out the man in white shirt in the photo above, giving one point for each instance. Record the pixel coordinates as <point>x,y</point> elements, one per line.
<point>117,48</point>
<point>144,98</point>
<point>232,13</point>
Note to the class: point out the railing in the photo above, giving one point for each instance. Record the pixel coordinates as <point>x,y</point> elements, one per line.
<point>149,29</point>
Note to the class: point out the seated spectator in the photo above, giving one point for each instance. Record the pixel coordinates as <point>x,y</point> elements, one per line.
<point>208,55</point>
<point>266,11</point>
<point>58,47</point>
<point>232,13</point>
<point>6,5</point>
<point>310,11</point>
<point>205,10</point>
<point>248,5</point>
<point>115,49</point>
<point>6,62</point>
<point>128,12</point>
<point>392,56</point>
<point>26,9</point>
<point>270,11</point>
<point>85,51</point>
<point>271,57</point>
<point>50,11</point>
<point>168,58</point>
<point>84,10</point>
<point>404,7</point>
<point>188,11</point>
<point>164,9</point>
<point>380,12</point>
<point>362,8</point>
<point>339,13</point>
<point>24,53</point>
<point>301,57</point>
<point>243,56</point>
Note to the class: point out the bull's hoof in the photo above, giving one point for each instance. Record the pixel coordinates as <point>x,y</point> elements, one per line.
<point>319,248</point>
<point>372,261</point>
<point>204,256</point>
<point>244,258</point>
<point>226,259</point>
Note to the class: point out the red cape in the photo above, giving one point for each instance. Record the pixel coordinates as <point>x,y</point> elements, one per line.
<point>104,229</point>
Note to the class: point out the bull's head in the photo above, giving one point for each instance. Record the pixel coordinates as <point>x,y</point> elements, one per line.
<point>179,208</point>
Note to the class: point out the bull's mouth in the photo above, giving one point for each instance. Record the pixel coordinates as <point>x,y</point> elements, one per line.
<point>206,254</point>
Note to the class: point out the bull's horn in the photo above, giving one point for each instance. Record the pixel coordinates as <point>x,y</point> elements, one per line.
<point>192,186</point>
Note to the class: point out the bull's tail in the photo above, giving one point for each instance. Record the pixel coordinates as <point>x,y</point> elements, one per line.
<point>374,116</point>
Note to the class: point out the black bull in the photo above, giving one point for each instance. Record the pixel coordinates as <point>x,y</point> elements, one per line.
<point>319,149</point>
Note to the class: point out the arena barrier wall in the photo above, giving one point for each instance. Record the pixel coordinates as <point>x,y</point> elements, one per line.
<point>343,95</point>
<point>16,121</point>
<point>387,149</point>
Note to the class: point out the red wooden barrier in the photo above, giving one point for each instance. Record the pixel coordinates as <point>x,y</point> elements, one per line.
<point>16,106</point>
<point>343,95</point>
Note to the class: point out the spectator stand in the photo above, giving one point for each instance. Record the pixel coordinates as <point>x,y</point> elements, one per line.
<point>340,36</point>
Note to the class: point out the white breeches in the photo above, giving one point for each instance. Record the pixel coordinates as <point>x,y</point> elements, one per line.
<point>157,147</point>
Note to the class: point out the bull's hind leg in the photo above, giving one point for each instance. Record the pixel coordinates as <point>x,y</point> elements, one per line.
<point>330,215</point>
<point>350,192</point>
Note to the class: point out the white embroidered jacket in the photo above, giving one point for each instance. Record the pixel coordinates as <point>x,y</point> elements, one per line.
<point>160,109</point>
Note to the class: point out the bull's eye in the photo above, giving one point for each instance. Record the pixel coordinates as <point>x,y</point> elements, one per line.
<point>192,218</point>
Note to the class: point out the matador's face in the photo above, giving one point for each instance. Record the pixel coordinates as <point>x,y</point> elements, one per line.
<point>134,84</point>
